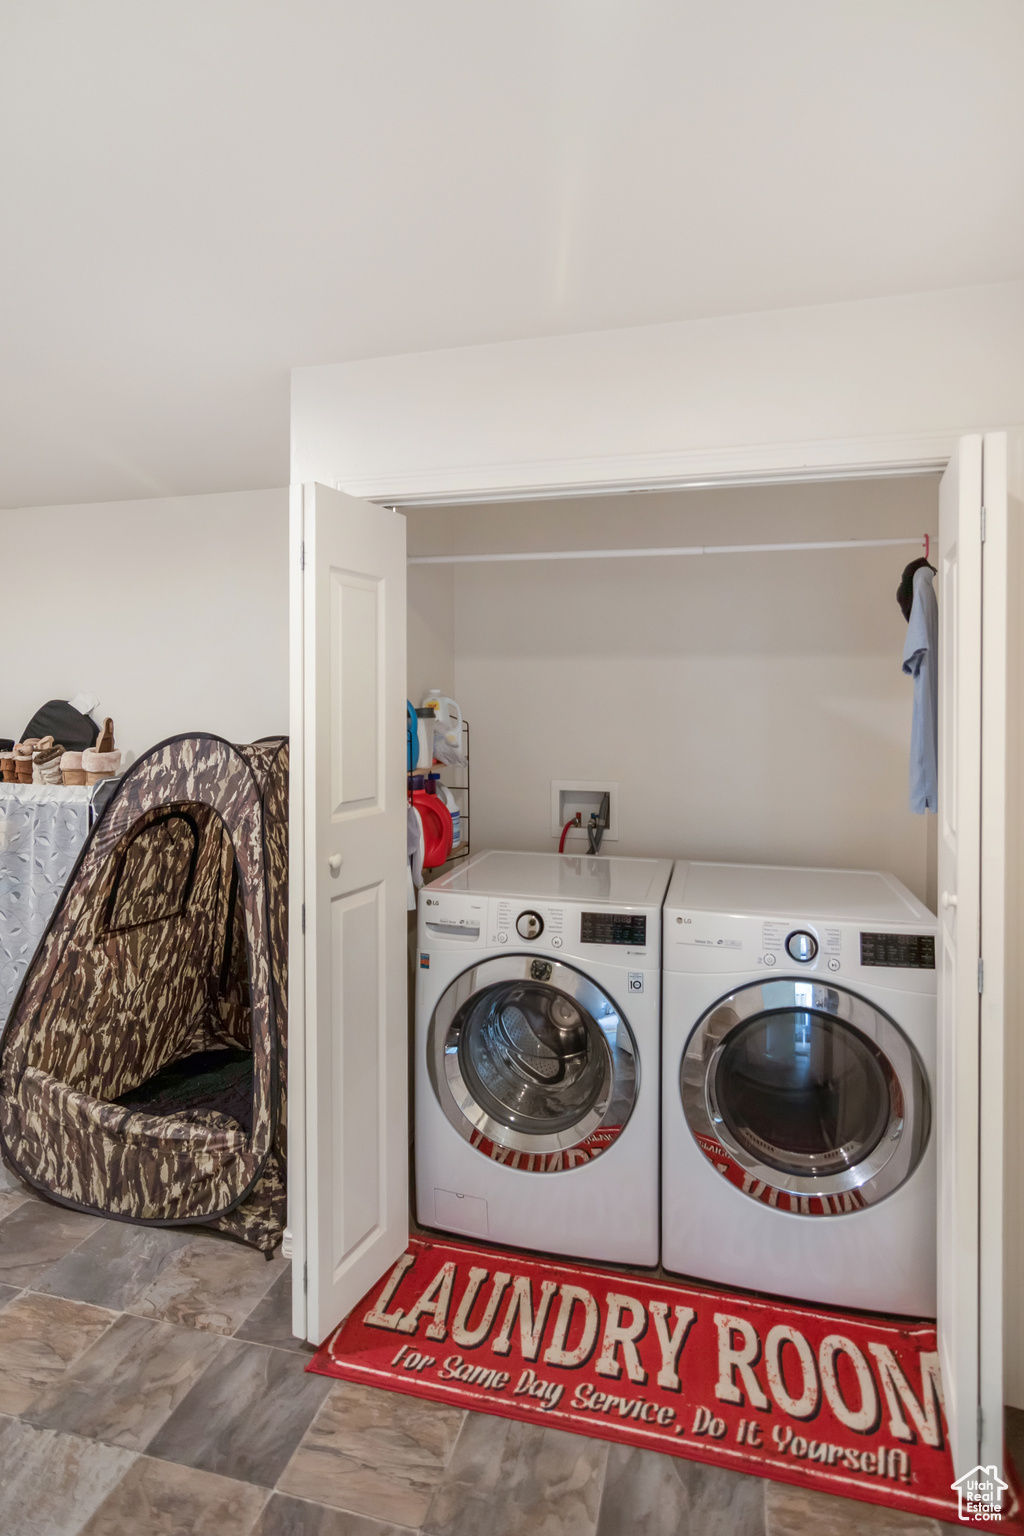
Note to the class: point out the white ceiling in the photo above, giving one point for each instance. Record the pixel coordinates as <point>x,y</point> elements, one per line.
<point>197,194</point>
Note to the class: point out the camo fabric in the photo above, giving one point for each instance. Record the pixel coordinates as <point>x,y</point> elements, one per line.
<point>260,1219</point>
<point>273,779</point>
<point>162,944</point>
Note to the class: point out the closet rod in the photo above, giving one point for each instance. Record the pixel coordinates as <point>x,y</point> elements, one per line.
<point>692,549</point>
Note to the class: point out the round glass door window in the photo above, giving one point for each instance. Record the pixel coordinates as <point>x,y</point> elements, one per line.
<point>805,1097</point>
<point>532,1063</point>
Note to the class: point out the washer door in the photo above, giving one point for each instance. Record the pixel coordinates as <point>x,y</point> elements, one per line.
<point>532,1063</point>
<point>805,1097</point>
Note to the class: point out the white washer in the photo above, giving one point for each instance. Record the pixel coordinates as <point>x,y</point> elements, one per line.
<point>798,1073</point>
<point>537,1053</point>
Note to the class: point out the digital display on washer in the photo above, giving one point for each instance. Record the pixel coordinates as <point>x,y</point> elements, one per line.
<point>909,951</point>
<point>612,928</point>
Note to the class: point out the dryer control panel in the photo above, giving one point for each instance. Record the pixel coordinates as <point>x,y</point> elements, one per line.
<point>724,943</point>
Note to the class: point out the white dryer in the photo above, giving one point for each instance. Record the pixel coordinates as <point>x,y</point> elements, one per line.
<point>798,1085</point>
<point>537,1053</point>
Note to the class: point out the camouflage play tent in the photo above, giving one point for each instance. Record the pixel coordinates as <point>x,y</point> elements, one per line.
<point>142,1068</point>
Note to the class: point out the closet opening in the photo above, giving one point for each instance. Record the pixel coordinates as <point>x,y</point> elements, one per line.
<point>730,657</point>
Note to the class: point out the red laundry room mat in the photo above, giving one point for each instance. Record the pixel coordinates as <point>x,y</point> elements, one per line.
<point>843,1402</point>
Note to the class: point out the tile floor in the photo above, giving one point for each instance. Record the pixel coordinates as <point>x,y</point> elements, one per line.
<point>150,1386</point>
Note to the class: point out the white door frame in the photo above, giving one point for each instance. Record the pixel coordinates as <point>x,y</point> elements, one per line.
<point>753,466</point>
<point>296,1233</point>
<point>476,484</point>
<point>885,457</point>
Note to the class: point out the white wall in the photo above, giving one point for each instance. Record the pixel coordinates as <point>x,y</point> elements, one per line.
<point>173,611</point>
<point>430,631</point>
<point>750,707</point>
<point>877,381</point>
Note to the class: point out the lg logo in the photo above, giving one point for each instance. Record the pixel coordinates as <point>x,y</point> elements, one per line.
<point>635,981</point>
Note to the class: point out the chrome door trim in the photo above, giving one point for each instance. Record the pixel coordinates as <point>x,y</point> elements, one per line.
<point>889,1163</point>
<point>609,1115</point>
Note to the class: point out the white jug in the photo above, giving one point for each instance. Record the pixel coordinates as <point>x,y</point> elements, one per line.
<point>426,725</point>
<point>449,717</point>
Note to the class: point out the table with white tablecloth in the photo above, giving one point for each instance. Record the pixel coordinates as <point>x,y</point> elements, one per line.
<point>42,830</point>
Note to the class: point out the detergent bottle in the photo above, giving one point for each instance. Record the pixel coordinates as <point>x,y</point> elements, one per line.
<point>444,793</point>
<point>449,717</point>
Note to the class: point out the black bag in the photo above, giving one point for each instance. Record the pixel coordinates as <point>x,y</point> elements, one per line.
<point>905,590</point>
<point>74,731</point>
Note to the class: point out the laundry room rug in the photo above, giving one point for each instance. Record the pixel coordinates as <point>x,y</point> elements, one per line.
<point>843,1402</point>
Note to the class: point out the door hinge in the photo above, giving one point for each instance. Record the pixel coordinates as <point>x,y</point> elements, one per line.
<point>305,1277</point>
<point>981,975</point>
<point>983,525</point>
<point>303,917</point>
<point>981,1423</point>
<point>302,555</point>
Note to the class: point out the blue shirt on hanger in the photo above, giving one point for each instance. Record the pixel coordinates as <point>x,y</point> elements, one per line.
<point>921,662</point>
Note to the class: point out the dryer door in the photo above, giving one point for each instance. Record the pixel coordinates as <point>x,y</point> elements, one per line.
<point>532,1063</point>
<point>805,1096</point>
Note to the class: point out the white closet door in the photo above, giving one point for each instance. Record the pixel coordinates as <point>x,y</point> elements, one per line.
<point>353,833</point>
<point>980,914</point>
<point>1002,910</point>
<point>957,1108</point>
<point>1013,925</point>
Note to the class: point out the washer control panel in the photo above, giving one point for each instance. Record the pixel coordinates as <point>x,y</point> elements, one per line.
<point>529,925</point>
<point>550,926</point>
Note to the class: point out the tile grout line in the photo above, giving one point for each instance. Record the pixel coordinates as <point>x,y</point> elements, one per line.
<point>78,1301</point>
<point>70,1435</point>
<point>159,1461</point>
<point>455,1440</point>
<point>137,1227</point>
<point>413,1530</point>
<point>25,1418</point>
<point>74,1247</point>
<point>604,1484</point>
<point>301,1440</point>
<point>263,1295</point>
<point>48,1204</point>
<point>213,1333</point>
